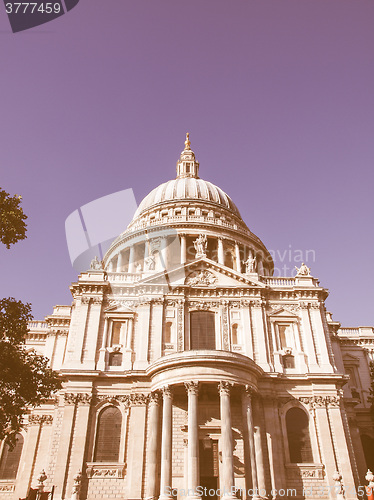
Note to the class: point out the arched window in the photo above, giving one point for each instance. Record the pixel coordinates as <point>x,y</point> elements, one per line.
<point>167,338</point>
<point>10,459</point>
<point>297,424</point>
<point>108,435</point>
<point>203,332</point>
<point>234,333</point>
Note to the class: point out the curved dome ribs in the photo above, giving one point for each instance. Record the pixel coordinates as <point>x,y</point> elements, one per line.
<point>173,215</point>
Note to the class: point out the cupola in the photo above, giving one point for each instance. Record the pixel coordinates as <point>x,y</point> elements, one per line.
<point>187,166</point>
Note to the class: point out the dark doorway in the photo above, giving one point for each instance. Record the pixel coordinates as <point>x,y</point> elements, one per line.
<point>208,459</point>
<point>368,446</point>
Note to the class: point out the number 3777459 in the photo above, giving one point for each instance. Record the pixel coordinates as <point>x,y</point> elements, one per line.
<point>32,7</point>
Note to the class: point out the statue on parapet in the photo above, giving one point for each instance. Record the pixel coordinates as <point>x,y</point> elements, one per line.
<point>250,265</point>
<point>149,263</point>
<point>96,264</point>
<point>200,245</point>
<point>303,270</point>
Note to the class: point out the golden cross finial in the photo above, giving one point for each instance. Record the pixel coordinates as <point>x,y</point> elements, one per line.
<point>187,142</point>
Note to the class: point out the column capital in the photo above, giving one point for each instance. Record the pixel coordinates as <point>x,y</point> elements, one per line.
<point>154,398</point>
<point>224,388</point>
<point>192,387</point>
<point>167,392</point>
<point>249,391</point>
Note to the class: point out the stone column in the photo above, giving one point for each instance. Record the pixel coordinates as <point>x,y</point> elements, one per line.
<point>221,257</point>
<point>111,265</point>
<point>274,440</point>
<point>119,262</point>
<point>237,258</point>
<point>166,445</point>
<point>260,266</point>
<point>258,447</point>
<point>193,441</point>
<point>146,249</point>
<point>183,249</point>
<point>227,484</point>
<point>164,252</point>
<point>154,415</point>
<point>248,421</point>
<point>131,259</point>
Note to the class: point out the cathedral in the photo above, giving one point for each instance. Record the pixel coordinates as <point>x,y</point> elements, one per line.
<point>189,370</point>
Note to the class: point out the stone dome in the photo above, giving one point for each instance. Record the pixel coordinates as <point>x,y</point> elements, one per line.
<point>182,212</point>
<point>189,189</point>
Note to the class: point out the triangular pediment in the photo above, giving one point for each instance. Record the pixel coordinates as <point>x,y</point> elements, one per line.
<point>202,272</point>
<point>119,306</point>
<point>349,359</point>
<point>283,312</point>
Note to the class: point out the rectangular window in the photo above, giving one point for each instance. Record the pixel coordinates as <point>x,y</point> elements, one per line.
<point>116,333</point>
<point>286,336</point>
<point>203,332</point>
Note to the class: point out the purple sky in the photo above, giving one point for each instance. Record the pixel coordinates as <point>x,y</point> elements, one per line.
<point>278,99</point>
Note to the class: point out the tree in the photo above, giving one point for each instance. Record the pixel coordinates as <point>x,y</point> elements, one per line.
<point>12,217</point>
<point>25,379</point>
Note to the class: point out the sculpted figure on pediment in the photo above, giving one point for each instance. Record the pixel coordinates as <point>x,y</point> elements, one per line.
<point>200,245</point>
<point>303,270</point>
<point>250,265</point>
<point>150,263</point>
<point>201,278</point>
<point>96,264</point>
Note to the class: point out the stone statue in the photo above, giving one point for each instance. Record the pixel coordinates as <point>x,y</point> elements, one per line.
<point>96,264</point>
<point>250,265</point>
<point>201,278</point>
<point>41,478</point>
<point>370,478</point>
<point>138,268</point>
<point>303,270</point>
<point>339,490</point>
<point>150,263</point>
<point>200,245</point>
<point>76,486</point>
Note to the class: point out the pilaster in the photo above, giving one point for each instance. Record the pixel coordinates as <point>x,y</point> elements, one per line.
<point>135,455</point>
<point>142,337</point>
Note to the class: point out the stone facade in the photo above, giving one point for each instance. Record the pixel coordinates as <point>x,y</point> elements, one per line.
<point>186,363</point>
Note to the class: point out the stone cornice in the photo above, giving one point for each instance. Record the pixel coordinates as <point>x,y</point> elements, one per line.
<point>332,401</point>
<point>89,289</point>
<point>71,398</point>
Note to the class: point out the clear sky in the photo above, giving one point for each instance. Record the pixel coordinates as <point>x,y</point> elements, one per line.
<point>276,94</point>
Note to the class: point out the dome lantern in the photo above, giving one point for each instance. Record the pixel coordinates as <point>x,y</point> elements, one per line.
<point>187,165</point>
